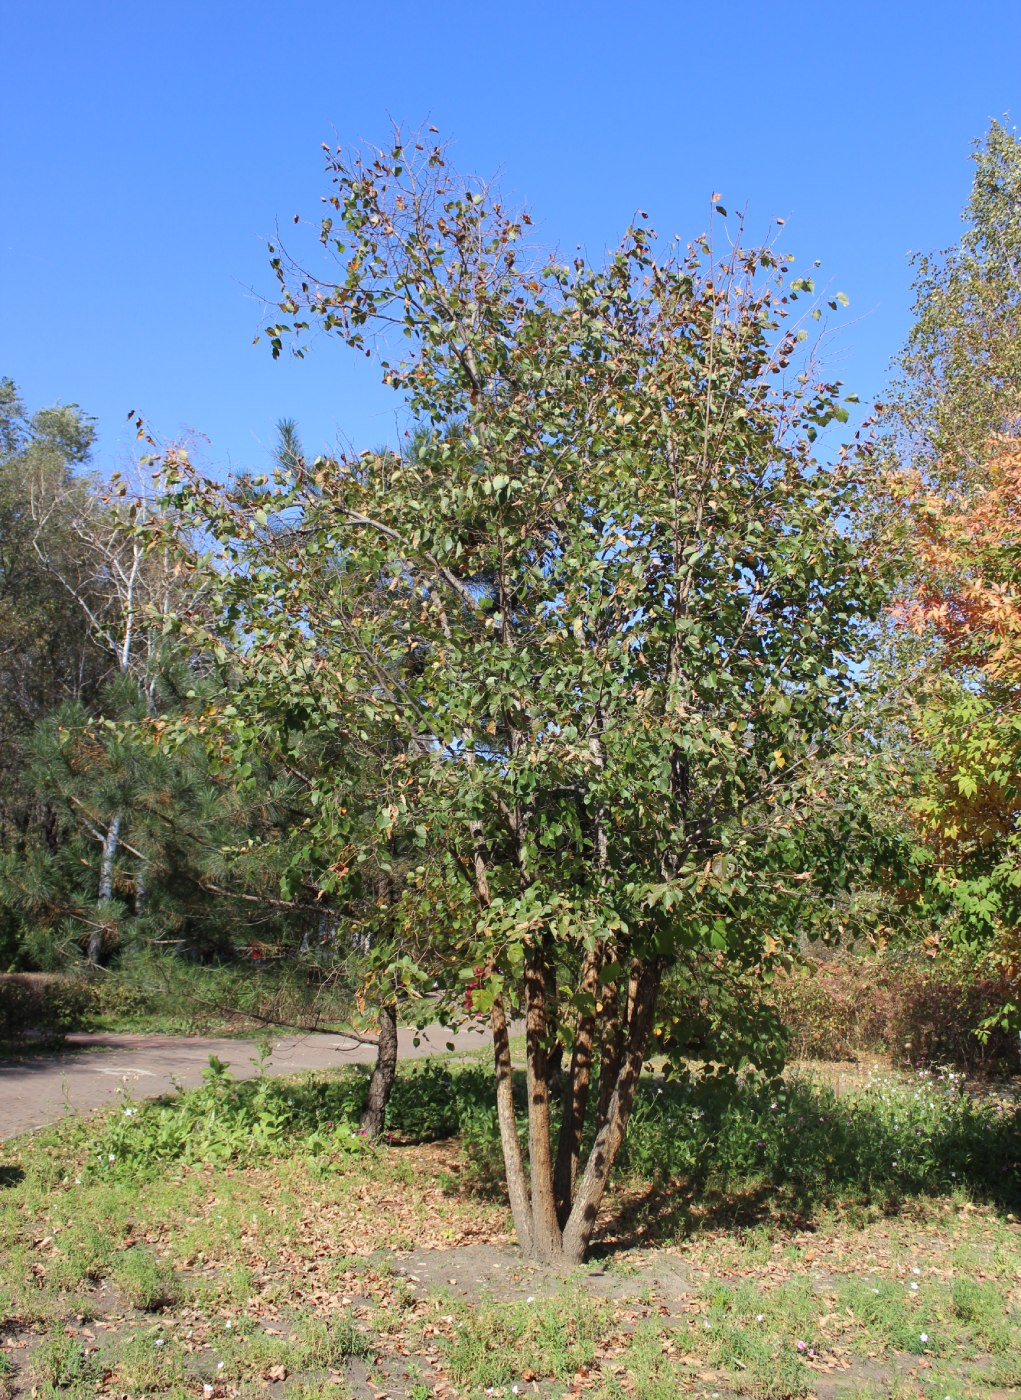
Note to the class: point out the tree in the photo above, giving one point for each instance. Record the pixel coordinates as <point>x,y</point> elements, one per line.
<point>957,382</point>
<point>606,615</point>
<point>953,430</point>
<point>46,654</point>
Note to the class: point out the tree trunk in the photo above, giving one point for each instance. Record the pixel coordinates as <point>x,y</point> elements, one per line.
<point>576,1094</point>
<point>610,1132</point>
<point>517,1187</point>
<point>140,888</point>
<point>612,1048</point>
<point>111,842</point>
<point>383,1073</point>
<point>545,1225</point>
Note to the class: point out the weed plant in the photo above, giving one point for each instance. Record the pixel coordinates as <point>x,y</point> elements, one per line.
<point>149,1364</point>
<point>63,1363</point>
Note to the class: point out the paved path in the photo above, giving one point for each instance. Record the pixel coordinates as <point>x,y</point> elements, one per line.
<point>38,1090</point>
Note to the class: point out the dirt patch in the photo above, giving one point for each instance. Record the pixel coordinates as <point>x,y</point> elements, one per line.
<point>504,1276</point>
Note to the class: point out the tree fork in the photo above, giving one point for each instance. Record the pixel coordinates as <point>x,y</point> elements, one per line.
<point>582,1220</point>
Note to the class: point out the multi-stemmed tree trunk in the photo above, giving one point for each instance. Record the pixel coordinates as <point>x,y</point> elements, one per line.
<point>554,1209</point>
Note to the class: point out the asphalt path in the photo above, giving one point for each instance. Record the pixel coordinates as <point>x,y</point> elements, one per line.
<point>94,1070</point>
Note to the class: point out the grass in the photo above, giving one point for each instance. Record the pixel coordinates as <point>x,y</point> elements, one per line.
<point>146,1282</point>
<point>156,993</point>
<point>243,1235</point>
<point>495,1344</point>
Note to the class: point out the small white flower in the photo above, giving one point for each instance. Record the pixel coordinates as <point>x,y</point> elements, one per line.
<point>923,1336</point>
<point>110,1157</point>
<point>916,1271</point>
<point>529,1300</point>
<point>514,1390</point>
<point>759,1317</point>
<point>220,1365</point>
<point>159,1341</point>
<point>229,1323</point>
<point>914,1287</point>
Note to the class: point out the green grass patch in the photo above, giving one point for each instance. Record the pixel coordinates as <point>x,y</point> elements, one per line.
<point>498,1344</point>
<point>145,1282</point>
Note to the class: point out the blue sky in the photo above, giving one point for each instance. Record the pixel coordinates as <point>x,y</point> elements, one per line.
<point>150,151</point>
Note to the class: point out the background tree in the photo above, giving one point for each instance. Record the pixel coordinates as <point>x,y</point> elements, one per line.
<point>953,433</point>
<point>47,653</point>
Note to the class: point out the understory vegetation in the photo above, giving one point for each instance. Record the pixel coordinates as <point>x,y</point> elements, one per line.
<point>786,1238</point>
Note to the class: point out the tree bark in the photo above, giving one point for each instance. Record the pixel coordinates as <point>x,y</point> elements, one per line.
<point>383,1073</point>
<point>111,841</point>
<point>610,1134</point>
<point>576,1094</point>
<point>517,1187</point>
<point>545,1225</point>
<point>140,888</point>
<point>612,1048</point>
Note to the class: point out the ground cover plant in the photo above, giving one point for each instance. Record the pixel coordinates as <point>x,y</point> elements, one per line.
<point>169,1249</point>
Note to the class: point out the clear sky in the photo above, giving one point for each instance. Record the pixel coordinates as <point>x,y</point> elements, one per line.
<point>150,151</point>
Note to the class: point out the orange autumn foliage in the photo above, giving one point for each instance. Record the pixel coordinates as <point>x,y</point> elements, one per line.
<point>968,558</point>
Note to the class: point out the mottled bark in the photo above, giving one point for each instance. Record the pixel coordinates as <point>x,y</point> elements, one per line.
<point>517,1186</point>
<point>383,1073</point>
<point>576,1094</point>
<point>111,842</point>
<point>582,1220</point>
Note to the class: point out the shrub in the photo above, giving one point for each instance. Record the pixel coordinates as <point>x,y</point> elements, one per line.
<point>884,1142</point>
<point>151,990</point>
<point>225,1120</point>
<point>435,1100</point>
<point>938,1011</point>
<point>40,1004</point>
<point>836,1009</point>
<point>924,1012</point>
